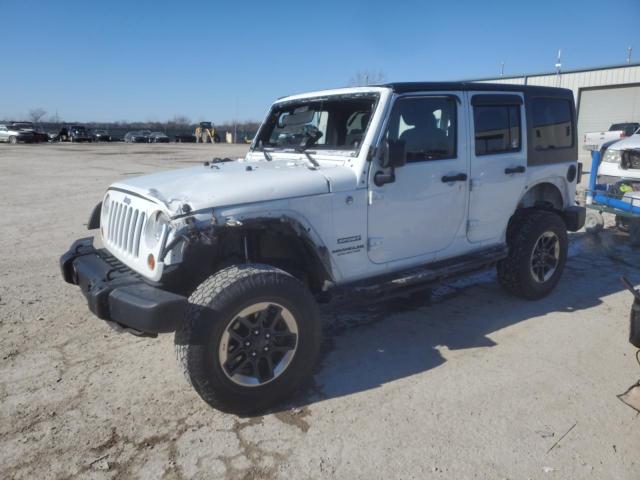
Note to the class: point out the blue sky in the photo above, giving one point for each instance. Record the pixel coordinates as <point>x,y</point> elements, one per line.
<point>150,60</point>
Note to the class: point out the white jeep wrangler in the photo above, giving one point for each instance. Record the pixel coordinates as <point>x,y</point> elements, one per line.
<point>366,192</point>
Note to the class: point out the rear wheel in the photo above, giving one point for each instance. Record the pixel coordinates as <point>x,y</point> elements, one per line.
<point>250,339</point>
<point>537,254</point>
<point>13,140</point>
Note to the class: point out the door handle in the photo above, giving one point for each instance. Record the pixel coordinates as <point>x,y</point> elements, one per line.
<point>460,177</point>
<point>510,170</point>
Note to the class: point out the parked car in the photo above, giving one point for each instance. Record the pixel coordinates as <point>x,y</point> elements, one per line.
<point>185,138</point>
<point>38,136</point>
<point>595,140</point>
<point>158,137</point>
<point>78,133</point>
<point>136,137</point>
<point>14,135</point>
<point>363,193</point>
<point>101,136</point>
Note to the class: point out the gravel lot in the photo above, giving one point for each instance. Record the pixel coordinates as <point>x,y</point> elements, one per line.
<point>462,382</point>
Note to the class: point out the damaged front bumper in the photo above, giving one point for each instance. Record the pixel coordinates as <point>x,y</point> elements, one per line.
<point>118,295</point>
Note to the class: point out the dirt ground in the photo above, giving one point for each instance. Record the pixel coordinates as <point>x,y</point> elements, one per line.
<point>462,382</point>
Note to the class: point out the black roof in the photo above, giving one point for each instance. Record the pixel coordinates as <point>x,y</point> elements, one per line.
<point>407,87</point>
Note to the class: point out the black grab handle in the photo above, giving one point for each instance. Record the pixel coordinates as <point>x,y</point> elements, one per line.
<point>520,169</point>
<point>460,177</point>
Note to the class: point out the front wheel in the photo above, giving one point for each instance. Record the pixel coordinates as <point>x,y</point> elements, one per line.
<point>250,338</point>
<point>538,246</point>
<point>13,140</point>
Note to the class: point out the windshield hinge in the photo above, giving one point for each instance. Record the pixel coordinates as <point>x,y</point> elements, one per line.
<point>372,153</point>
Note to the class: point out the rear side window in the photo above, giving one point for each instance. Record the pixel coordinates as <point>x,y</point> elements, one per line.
<point>497,128</point>
<point>552,126</point>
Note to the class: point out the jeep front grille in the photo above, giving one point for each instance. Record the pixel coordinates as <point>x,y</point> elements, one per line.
<point>124,228</point>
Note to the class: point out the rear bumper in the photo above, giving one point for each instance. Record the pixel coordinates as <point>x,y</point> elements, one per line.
<point>116,294</point>
<point>574,217</point>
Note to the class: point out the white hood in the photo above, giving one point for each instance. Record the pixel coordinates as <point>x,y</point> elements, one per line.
<point>233,183</point>
<point>630,142</point>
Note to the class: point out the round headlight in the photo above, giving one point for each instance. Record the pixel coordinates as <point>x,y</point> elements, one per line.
<point>155,228</point>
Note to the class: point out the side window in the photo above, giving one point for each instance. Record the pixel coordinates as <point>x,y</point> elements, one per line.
<point>552,126</point>
<point>427,126</point>
<point>497,128</point>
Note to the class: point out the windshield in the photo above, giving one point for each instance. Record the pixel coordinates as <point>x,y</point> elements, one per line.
<point>334,123</point>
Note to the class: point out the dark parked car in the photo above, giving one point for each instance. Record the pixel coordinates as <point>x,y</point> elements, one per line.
<point>136,137</point>
<point>28,127</point>
<point>185,138</point>
<point>101,136</point>
<point>78,133</point>
<point>158,137</point>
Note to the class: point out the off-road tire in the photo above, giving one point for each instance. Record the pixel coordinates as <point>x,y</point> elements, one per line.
<point>13,140</point>
<point>514,272</point>
<point>212,307</point>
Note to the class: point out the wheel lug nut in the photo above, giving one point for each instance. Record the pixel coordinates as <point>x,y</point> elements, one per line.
<point>268,335</point>
<point>266,349</point>
<point>253,354</point>
<point>256,332</point>
<point>247,344</point>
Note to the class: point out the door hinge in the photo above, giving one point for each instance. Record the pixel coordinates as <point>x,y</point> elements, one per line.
<point>373,195</point>
<point>471,224</point>
<point>374,242</point>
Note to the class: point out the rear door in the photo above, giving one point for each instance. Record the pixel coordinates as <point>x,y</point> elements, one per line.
<point>498,163</point>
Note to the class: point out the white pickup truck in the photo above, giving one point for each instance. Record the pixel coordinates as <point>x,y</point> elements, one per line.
<point>595,140</point>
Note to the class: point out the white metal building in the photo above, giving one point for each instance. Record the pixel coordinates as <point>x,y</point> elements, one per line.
<point>603,95</point>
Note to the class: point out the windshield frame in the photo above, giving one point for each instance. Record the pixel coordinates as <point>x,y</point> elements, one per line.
<point>322,151</point>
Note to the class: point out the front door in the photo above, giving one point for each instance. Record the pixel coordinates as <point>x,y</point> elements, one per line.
<point>498,163</point>
<point>422,211</point>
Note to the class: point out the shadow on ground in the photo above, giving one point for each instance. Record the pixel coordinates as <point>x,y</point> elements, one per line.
<point>367,346</point>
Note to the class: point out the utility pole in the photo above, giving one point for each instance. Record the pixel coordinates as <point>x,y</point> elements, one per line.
<point>235,123</point>
<point>629,50</point>
<point>558,66</point>
<point>501,69</point>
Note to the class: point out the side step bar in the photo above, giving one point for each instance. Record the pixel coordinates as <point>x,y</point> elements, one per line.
<point>400,282</point>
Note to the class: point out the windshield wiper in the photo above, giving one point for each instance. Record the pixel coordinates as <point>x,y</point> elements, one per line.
<point>313,161</point>
<point>313,134</point>
<point>267,155</point>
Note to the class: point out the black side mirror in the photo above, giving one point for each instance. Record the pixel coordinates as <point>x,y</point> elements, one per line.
<point>395,155</point>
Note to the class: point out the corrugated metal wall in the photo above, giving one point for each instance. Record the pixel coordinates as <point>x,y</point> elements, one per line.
<point>600,77</point>
<point>606,77</point>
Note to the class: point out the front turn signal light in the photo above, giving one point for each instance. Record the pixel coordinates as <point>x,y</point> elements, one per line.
<point>151,262</point>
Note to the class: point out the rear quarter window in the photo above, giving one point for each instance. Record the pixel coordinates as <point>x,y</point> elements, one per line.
<point>552,123</point>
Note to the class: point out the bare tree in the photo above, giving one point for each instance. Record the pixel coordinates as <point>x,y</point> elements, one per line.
<point>179,122</point>
<point>36,114</point>
<point>367,77</point>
